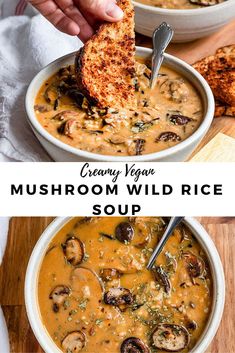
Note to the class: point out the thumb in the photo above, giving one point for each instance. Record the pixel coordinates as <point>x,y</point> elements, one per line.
<point>104,10</point>
<point>112,11</point>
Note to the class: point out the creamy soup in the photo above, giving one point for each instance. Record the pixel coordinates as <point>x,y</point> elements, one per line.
<point>180,4</point>
<point>164,116</point>
<point>96,295</point>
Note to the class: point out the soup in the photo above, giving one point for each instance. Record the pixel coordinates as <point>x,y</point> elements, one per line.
<point>181,4</point>
<point>96,295</point>
<point>164,116</point>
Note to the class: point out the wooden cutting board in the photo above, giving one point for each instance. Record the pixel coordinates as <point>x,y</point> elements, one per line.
<point>193,51</point>
<point>23,234</point>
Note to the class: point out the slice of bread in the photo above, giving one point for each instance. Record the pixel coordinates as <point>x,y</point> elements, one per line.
<point>227,50</point>
<point>105,66</point>
<point>224,110</point>
<point>219,71</point>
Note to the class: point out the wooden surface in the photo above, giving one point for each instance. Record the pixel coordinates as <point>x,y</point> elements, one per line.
<point>23,234</point>
<point>193,51</point>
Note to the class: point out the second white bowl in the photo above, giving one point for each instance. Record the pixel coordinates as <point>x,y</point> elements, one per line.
<point>187,24</point>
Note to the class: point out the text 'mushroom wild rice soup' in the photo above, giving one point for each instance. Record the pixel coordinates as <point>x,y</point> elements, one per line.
<point>166,115</point>
<point>96,295</point>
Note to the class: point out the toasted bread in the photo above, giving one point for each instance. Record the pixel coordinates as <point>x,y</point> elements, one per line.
<point>219,71</point>
<point>105,66</point>
<point>227,50</point>
<point>224,110</point>
<point>202,65</point>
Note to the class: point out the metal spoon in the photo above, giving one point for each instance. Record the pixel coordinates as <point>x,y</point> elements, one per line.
<point>161,38</point>
<point>174,222</point>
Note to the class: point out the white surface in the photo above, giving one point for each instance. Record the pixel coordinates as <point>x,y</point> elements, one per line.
<point>4,341</point>
<point>61,152</point>
<point>4,224</point>
<point>9,7</point>
<point>40,249</point>
<point>52,192</point>
<point>26,46</point>
<point>187,24</point>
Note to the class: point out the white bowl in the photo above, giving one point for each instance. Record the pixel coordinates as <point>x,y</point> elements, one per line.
<point>62,152</point>
<point>31,280</point>
<point>187,24</point>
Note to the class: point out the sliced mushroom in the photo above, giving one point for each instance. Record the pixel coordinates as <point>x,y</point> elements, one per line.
<point>41,108</point>
<point>74,250</point>
<point>168,136</point>
<point>51,94</point>
<point>178,119</point>
<point>76,96</point>
<point>86,283</point>
<point>191,325</point>
<point>175,90</point>
<point>170,337</point>
<point>74,342</point>
<point>67,128</point>
<point>136,147</point>
<point>118,297</point>
<point>65,115</point>
<point>206,2</point>
<point>134,345</point>
<point>194,264</point>
<point>139,146</point>
<point>162,278</point>
<point>124,232</point>
<point>58,296</point>
<point>108,274</point>
<point>117,139</point>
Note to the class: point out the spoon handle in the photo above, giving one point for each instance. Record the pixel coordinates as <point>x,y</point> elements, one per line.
<point>174,222</point>
<point>161,38</point>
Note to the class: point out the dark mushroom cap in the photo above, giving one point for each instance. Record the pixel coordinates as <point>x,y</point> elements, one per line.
<point>134,345</point>
<point>205,2</point>
<point>124,232</point>
<point>178,119</point>
<point>194,264</point>
<point>58,295</point>
<point>168,136</point>
<point>74,250</point>
<point>162,278</point>
<point>170,337</point>
<point>118,296</point>
<point>74,342</point>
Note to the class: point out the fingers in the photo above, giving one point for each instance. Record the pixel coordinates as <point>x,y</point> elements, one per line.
<point>78,17</point>
<point>50,10</point>
<point>72,12</point>
<point>101,10</point>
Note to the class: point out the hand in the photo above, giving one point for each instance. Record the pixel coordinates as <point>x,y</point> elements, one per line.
<point>78,17</point>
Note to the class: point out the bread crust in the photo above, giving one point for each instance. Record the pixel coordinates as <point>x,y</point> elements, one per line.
<point>224,110</point>
<point>105,66</point>
<point>219,71</point>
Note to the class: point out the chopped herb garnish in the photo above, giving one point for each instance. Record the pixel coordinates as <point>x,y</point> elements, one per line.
<point>98,322</point>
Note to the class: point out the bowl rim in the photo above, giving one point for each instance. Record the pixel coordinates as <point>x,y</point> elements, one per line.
<point>206,95</point>
<point>39,250</point>
<point>182,12</point>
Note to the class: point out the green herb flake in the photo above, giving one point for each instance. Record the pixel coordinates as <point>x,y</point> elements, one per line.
<point>83,304</point>
<point>98,322</point>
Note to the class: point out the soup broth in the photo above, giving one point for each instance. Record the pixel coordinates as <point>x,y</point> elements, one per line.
<point>96,295</point>
<point>164,116</point>
<point>180,4</point>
